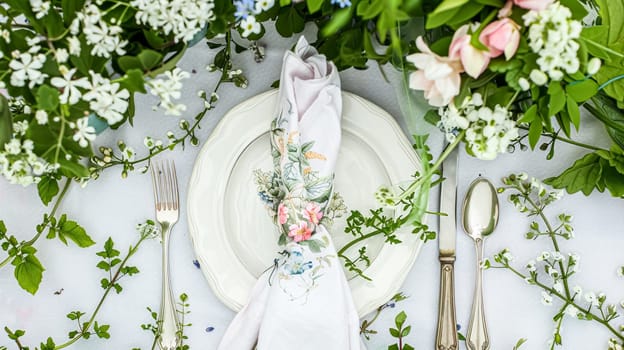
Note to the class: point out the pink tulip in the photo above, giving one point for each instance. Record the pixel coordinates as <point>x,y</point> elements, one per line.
<point>501,36</point>
<point>474,60</point>
<point>439,77</point>
<point>535,5</point>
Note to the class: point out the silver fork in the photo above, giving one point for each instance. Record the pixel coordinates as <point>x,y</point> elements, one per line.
<point>167,204</point>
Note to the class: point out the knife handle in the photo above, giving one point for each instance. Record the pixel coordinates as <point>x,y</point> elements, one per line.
<point>446,335</point>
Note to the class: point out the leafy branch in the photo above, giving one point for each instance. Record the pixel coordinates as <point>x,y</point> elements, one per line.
<point>116,268</point>
<point>22,254</point>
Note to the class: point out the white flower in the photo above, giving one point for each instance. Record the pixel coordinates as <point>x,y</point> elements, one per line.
<point>103,37</point>
<point>531,266</point>
<point>41,117</point>
<point>590,297</point>
<point>552,35</point>
<point>572,311</point>
<point>40,8</point>
<point>249,26</point>
<point>538,77</point>
<point>577,290</point>
<point>182,18</point>
<point>13,147</point>
<point>524,84</point>
<point>106,99</point>
<point>74,45</point>
<point>488,132</point>
<point>593,66</point>
<point>61,55</point>
<point>558,287</point>
<point>546,299</point>
<point>84,132</point>
<point>20,127</point>
<point>26,68</point>
<point>439,77</point>
<point>70,94</point>
<point>543,256</point>
<point>6,35</point>
<point>169,89</point>
<point>264,5</point>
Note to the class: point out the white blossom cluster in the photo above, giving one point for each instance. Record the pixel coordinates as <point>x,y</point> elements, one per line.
<point>40,8</point>
<point>488,132</point>
<point>104,37</point>
<point>27,68</point>
<point>106,99</point>
<point>553,36</point>
<point>182,18</point>
<point>246,11</point>
<point>18,163</point>
<point>168,89</point>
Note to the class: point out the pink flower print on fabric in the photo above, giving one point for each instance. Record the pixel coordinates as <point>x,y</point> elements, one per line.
<point>282,214</point>
<point>313,213</point>
<point>300,232</point>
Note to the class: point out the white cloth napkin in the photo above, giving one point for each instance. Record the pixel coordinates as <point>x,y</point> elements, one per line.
<point>303,302</point>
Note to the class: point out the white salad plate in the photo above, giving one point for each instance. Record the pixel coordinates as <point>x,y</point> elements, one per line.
<point>233,236</point>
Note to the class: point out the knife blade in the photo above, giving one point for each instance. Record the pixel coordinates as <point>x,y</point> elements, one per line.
<point>446,334</point>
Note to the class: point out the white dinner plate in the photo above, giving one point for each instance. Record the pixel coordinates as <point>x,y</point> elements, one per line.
<point>233,236</point>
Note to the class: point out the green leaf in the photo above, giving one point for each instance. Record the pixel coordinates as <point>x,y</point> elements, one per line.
<point>29,273</point>
<point>614,180</point>
<point>578,10</point>
<point>435,20</point>
<point>339,19</point>
<point>583,90</point>
<point>149,59</point>
<point>519,343</point>
<point>400,319</point>
<point>133,81</point>
<point>6,122</point>
<point>573,112</point>
<point>70,229</point>
<point>290,21</point>
<point>406,331</point>
<point>447,5</point>
<point>557,98</point>
<point>583,175</point>
<point>48,188</point>
<point>393,347</point>
<point>535,132</point>
<point>370,8</point>
<point>47,98</point>
<point>127,63</point>
<point>604,109</point>
<point>529,116</point>
<point>612,13</point>
<point>73,169</point>
<point>314,5</point>
<point>394,332</point>
<point>70,7</point>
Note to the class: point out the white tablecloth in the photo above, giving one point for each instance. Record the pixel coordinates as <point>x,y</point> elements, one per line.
<point>111,206</point>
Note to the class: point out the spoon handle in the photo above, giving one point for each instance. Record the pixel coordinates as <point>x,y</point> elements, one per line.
<point>477,337</point>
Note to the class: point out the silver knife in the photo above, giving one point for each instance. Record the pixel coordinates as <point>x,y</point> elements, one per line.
<point>446,335</point>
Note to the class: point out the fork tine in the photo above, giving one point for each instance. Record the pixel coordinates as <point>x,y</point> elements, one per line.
<point>169,187</point>
<point>176,193</point>
<point>155,183</point>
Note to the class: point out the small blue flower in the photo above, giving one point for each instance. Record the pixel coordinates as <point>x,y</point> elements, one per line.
<point>196,263</point>
<point>265,198</point>
<point>341,3</point>
<point>243,8</point>
<point>209,329</point>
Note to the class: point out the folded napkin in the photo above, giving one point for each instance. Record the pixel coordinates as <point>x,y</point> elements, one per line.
<point>303,302</point>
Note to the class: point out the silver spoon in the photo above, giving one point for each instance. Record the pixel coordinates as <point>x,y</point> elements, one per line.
<point>480,217</point>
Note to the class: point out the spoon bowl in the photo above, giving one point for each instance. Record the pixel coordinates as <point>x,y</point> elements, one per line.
<point>480,217</point>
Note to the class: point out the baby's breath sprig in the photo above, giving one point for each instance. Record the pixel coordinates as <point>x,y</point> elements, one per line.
<point>551,270</point>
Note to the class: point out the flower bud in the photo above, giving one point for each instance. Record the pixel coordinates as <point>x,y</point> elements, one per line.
<point>538,77</point>
<point>593,66</point>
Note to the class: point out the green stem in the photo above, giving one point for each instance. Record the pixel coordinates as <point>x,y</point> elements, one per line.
<point>357,240</point>
<point>51,214</point>
<point>553,238</point>
<point>59,143</point>
<point>567,140</point>
<point>416,184</point>
<point>106,292</point>
<point>569,301</point>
